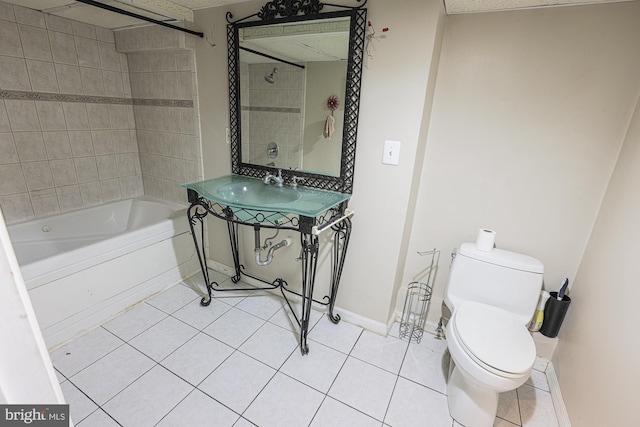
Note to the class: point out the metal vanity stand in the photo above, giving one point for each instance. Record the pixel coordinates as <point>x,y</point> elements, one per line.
<point>336,220</point>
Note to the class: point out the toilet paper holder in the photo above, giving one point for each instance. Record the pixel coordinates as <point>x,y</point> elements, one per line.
<point>416,304</point>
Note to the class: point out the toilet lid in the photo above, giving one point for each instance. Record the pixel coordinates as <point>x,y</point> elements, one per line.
<point>495,337</point>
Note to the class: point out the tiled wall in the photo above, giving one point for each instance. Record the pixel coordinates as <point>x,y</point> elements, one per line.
<point>163,85</point>
<point>67,128</point>
<point>272,113</point>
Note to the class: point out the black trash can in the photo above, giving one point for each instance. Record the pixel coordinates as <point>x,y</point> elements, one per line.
<point>554,312</point>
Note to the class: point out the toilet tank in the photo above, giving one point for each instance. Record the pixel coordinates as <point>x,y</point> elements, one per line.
<point>501,278</point>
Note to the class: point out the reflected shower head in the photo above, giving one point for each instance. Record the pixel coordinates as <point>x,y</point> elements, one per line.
<point>271,77</point>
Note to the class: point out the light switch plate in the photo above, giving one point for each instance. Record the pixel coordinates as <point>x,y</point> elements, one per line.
<point>391,153</point>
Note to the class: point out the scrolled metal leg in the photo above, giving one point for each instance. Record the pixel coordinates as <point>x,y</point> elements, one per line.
<point>193,215</point>
<point>309,263</point>
<point>340,245</point>
<point>233,239</point>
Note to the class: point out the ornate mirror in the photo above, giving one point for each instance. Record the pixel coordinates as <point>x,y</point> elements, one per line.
<point>294,91</point>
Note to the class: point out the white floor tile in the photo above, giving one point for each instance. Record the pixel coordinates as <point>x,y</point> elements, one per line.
<point>365,387</point>
<point>163,338</point>
<point>284,402</point>
<point>270,344</point>
<point>234,327</point>
<point>134,321</point>
<point>341,336</point>
<point>334,414</point>
<point>243,423</point>
<point>538,380</point>
<point>80,406</point>
<point>200,317</point>
<point>262,306</point>
<point>197,358</point>
<point>174,298</point>
<point>415,405</point>
<point>285,319</point>
<point>76,355</point>
<point>237,381</point>
<point>508,408</point>
<point>317,369</point>
<point>98,419</point>
<point>148,400</point>
<point>198,409</point>
<point>384,352</point>
<point>536,407</point>
<point>427,363</point>
<point>111,374</point>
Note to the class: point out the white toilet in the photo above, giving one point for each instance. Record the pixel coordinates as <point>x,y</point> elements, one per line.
<point>492,296</point>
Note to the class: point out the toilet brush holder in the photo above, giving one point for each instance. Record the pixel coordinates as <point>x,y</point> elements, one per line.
<point>554,312</point>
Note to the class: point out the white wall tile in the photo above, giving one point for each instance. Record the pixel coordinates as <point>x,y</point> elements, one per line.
<point>30,146</point>
<point>57,144</point>
<point>63,48</point>
<point>35,43</point>
<point>10,45</point>
<point>42,76</point>
<point>8,150</point>
<point>37,175</point>
<point>69,79</point>
<point>14,74</point>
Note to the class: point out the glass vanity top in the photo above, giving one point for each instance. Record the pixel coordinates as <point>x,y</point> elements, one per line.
<point>244,192</point>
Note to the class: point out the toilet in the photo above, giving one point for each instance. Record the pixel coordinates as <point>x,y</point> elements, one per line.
<point>492,296</point>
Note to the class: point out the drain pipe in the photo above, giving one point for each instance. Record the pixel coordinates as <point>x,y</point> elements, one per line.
<point>258,249</point>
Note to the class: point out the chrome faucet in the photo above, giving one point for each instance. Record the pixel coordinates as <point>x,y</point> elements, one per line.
<point>277,179</point>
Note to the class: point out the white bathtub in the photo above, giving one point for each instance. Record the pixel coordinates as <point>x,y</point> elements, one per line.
<point>83,267</point>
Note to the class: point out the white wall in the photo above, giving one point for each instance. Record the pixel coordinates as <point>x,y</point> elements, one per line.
<point>394,87</point>
<point>530,111</point>
<point>597,356</point>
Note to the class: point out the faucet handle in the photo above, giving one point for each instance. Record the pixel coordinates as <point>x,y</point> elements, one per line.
<point>295,180</point>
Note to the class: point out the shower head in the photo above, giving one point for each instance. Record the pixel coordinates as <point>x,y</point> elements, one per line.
<point>271,77</point>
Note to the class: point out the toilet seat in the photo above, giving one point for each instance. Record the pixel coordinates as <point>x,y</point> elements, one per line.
<point>494,338</point>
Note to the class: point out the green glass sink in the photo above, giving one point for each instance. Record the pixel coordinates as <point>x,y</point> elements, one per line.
<point>253,194</point>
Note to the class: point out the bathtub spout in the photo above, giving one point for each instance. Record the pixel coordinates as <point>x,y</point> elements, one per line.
<point>258,252</point>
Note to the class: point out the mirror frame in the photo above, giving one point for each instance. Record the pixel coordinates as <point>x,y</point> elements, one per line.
<point>284,11</point>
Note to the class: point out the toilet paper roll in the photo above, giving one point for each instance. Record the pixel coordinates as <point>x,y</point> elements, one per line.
<point>486,239</point>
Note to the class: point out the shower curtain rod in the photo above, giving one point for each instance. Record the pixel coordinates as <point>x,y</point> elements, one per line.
<point>270,57</point>
<point>135,15</point>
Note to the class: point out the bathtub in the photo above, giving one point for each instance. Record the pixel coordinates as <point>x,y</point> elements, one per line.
<point>83,267</point>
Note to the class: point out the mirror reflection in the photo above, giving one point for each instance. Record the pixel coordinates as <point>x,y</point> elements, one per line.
<point>293,79</point>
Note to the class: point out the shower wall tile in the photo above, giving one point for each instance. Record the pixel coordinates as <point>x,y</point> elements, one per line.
<point>81,143</point>
<point>6,12</point>
<point>92,81</point>
<point>63,48</point>
<point>59,153</point>
<point>35,43</point>
<point>16,207</point>
<point>30,146</point>
<point>37,175</point>
<point>10,37</point>
<point>8,150</point>
<point>58,24</point>
<point>69,79</point>
<point>22,115</point>
<point>50,115</point>
<point>69,197</point>
<point>43,76</point>
<point>76,116</point>
<point>12,179</point>
<point>57,145</point>
<point>29,17</point>
<point>14,74</point>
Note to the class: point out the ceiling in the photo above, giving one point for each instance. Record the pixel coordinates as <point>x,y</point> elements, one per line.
<point>182,10</point>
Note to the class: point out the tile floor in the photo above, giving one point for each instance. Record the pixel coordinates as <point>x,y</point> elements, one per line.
<point>171,362</point>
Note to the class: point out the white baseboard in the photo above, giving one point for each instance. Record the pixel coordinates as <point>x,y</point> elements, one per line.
<point>556,396</point>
